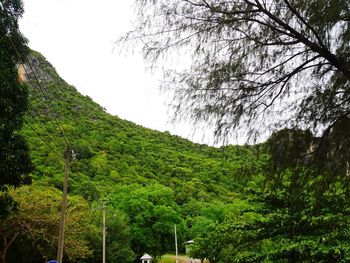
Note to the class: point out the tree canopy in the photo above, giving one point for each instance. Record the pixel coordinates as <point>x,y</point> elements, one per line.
<point>152,179</point>
<point>260,64</point>
<point>15,163</point>
<point>263,65</point>
<point>35,221</point>
<point>238,203</point>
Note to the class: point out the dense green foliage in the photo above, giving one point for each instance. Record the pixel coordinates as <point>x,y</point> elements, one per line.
<point>15,163</point>
<point>298,211</point>
<point>262,66</point>
<point>37,219</point>
<point>238,203</point>
<point>152,180</point>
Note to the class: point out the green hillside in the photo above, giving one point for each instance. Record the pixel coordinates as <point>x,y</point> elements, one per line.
<point>153,178</point>
<point>273,202</point>
<point>113,151</point>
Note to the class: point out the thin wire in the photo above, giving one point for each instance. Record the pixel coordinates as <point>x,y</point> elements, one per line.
<point>44,131</point>
<point>43,91</point>
<point>19,57</point>
<point>43,121</point>
<point>52,130</point>
<point>37,80</point>
<point>41,138</point>
<point>59,79</point>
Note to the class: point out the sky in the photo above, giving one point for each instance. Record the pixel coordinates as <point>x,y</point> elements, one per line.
<point>77,37</point>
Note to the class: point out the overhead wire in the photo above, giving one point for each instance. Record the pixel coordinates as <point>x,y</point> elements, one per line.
<point>44,91</point>
<point>42,139</point>
<point>51,128</point>
<point>53,133</point>
<point>41,88</point>
<point>66,141</point>
<point>51,147</point>
<point>48,114</point>
<point>38,119</point>
<point>51,136</point>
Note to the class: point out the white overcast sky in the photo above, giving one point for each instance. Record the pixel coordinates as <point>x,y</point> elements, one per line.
<point>77,37</point>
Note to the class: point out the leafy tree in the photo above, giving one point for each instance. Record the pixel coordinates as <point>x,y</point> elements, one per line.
<point>282,228</point>
<point>15,162</point>
<point>36,219</point>
<point>255,63</point>
<point>262,65</point>
<point>298,210</point>
<point>82,149</point>
<point>118,237</point>
<point>152,214</point>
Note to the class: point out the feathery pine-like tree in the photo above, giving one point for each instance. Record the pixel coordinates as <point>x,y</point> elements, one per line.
<point>257,64</point>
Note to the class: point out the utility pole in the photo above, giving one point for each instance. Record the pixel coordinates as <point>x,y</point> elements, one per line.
<point>104,232</point>
<point>176,254</point>
<point>64,206</point>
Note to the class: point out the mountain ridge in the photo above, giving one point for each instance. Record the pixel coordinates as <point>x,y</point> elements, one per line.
<point>90,128</point>
<point>173,179</point>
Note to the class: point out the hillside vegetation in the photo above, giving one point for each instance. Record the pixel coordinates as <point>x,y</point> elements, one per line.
<point>230,200</point>
<point>151,180</point>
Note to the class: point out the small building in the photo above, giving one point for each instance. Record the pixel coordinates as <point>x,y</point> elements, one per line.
<point>146,258</point>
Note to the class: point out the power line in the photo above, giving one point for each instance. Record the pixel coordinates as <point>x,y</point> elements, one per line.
<point>53,128</point>
<point>52,137</point>
<point>48,144</point>
<point>37,80</point>
<point>20,59</point>
<point>39,125</point>
<point>44,122</point>
<point>43,91</point>
<point>59,124</point>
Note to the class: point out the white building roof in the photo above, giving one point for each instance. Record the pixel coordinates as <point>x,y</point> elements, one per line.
<point>146,256</point>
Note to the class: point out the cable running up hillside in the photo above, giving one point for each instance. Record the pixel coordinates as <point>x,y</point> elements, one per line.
<point>47,143</point>
<point>41,88</point>
<point>66,140</point>
<point>52,134</point>
<point>43,91</point>
<point>51,128</point>
<point>42,122</point>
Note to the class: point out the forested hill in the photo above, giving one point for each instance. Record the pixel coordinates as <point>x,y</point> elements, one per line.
<point>112,151</point>
<point>151,179</point>
<point>274,202</point>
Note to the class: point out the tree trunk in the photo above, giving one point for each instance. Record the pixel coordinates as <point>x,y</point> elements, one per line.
<point>5,246</point>
<point>3,255</point>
